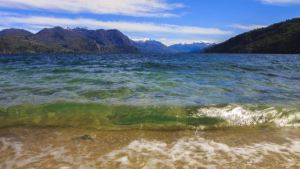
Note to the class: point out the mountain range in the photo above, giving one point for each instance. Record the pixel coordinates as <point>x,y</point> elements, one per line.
<point>152,46</point>
<point>283,38</point>
<point>59,40</point>
<point>78,40</point>
<point>194,47</point>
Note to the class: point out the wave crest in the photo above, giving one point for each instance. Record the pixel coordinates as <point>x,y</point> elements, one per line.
<point>243,116</point>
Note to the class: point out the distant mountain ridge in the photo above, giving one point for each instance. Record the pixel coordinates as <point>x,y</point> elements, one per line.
<point>193,47</point>
<point>152,46</point>
<point>15,32</point>
<point>283,37</point>
<point>60,40</point>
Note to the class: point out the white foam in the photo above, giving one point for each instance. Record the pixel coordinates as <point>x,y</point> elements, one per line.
<point>10,146</point>
<point>19,157</point>
<point>186,153</point>
<point>241,116</point>
<point>199,152</point>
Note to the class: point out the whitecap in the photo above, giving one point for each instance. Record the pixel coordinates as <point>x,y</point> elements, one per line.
<point>242,116</point>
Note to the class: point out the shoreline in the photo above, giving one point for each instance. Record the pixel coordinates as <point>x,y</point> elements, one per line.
<point>75,148</point>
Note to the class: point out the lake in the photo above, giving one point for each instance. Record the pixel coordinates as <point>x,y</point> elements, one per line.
<point>150,110</point>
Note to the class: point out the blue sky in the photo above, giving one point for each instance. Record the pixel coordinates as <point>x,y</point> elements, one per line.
<point>169,21</point>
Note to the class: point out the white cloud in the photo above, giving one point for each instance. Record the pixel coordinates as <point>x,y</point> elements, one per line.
<point>246,27</point>
<point>35,22</point>
<point>148,8</point>
<point>281,1</point>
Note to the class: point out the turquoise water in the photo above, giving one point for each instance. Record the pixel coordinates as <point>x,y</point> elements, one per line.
<point>150,90</point>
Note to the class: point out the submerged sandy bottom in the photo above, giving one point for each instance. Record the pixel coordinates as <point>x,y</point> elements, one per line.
<point>66,148</point>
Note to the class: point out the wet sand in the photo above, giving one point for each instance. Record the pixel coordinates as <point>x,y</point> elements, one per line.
<point>63,148</point>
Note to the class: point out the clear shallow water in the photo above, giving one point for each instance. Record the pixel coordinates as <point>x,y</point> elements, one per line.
<point>154,91</point>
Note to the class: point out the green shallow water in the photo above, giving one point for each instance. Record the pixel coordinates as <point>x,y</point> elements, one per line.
<point>118,117</point>
<point>100,116</point>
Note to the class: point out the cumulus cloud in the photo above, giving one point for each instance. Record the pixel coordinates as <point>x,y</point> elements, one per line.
<point>147,8</point>
<point>247,27</point>
<point>281,1</point>
<point>36,22</point>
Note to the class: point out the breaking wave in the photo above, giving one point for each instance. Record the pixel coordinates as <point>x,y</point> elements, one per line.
<point>241,116</point>
<point>101,116</point>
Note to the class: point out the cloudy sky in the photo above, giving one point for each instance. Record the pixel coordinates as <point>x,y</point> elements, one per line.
<point>170,21</point>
